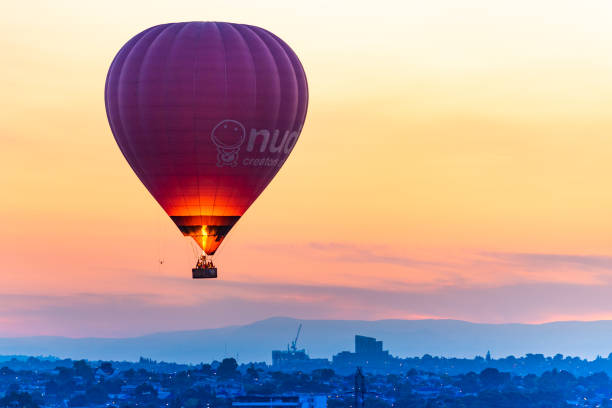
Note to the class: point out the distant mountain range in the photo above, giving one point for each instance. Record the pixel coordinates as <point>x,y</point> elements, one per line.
<point>324,338</point>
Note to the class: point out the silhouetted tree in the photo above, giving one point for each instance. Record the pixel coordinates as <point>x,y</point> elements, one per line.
<point>21,400</point>
<point>79,400</point>
<point>206,369</point>
<point>96,394</point>
<point>81,368</point>
<point>227,368</point>
<point>252,372</point>
<point>6,371</point>
<point>492,378</point>
<point>107,368</point>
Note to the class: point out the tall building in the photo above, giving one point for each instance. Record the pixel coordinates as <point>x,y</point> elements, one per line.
<point>368,354</point>
<point>368,346</point>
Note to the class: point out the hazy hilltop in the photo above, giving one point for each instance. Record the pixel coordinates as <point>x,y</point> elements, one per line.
<point>324,338</point>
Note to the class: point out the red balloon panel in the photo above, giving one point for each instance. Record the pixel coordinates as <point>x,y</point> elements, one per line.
<point>206,114</point>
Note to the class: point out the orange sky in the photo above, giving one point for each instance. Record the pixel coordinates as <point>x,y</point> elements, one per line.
<point>455,162</point>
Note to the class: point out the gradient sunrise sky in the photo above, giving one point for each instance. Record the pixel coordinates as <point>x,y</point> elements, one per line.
<point>455,163</point>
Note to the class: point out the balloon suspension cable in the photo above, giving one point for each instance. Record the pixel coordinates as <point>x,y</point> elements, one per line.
<point>195,250</point>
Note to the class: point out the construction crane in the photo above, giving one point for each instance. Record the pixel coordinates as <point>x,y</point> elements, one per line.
<point>293,346</point>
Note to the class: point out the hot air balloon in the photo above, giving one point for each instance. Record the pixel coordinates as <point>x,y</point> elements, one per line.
<point>206,113</point>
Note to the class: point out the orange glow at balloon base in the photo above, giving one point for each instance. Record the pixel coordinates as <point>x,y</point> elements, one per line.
<point>207,236</point>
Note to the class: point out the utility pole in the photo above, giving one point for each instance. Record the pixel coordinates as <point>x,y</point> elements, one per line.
<point>359,389</point>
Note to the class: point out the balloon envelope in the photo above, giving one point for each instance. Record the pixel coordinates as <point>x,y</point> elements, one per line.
<point>206,113</point>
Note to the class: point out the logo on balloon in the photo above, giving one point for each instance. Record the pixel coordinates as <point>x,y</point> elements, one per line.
<point>228,136</point>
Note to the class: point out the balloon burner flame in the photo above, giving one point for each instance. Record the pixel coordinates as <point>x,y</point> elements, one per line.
<point>204,235</point>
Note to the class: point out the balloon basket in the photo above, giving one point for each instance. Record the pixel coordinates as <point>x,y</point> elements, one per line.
<point>204,273</point>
